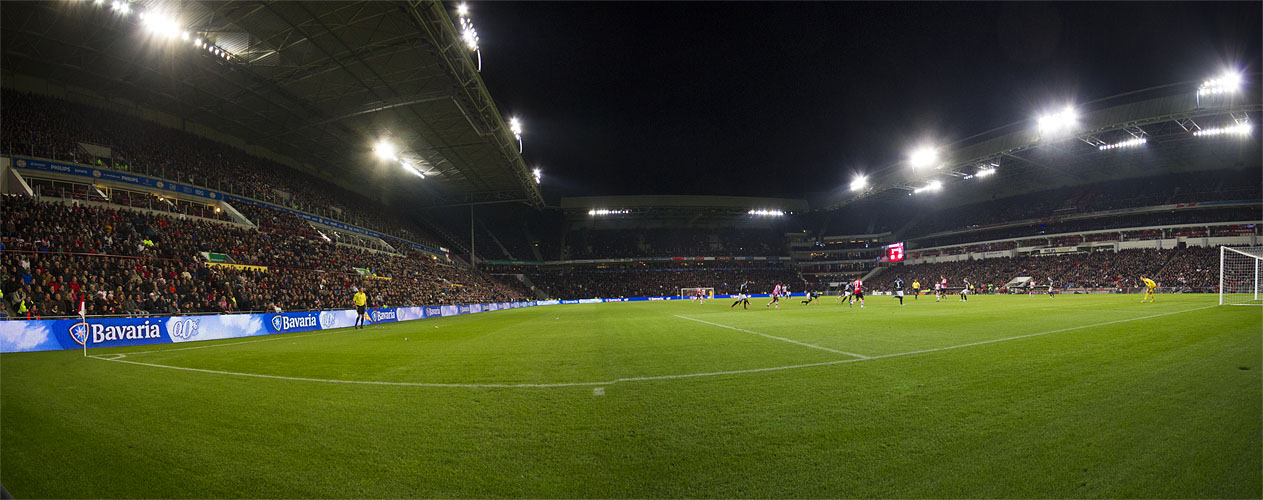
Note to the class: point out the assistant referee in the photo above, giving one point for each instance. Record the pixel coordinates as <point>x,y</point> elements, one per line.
<point>360,302</point>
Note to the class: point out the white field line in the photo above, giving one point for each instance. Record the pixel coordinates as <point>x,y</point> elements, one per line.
<point>649,378</point>
<point>804,344</point>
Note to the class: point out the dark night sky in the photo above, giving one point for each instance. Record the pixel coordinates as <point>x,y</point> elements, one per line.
<point>782,99</point>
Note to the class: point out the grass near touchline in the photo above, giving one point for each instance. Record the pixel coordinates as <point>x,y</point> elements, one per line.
<point>1158,407</point>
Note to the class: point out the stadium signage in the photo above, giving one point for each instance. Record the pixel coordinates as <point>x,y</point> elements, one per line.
<point>380,315</point>
<point>284,323</point>
<point>52,335</point>
<point>183,329</point>
<point>103,333</point>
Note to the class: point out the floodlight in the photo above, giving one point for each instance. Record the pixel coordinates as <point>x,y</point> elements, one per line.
<point>985,171</point>
<point>538,175</point>
<point>1060,122</point>
<point>385,150</point>
<point>1242,129</point>
<point>468,33</point>
<point>772,213</point>
<point>462,10</point>
<point>515,126</point>
<point>924,156</point>
<point>98,2</point>
<point>184,36</point>
<point>932,186</point>
<point>1129,143</point>
<point>121,7</point>
<point>859,183</point>
<point>411,169</point>
<point>197,42</point>
<point>1229,82</point>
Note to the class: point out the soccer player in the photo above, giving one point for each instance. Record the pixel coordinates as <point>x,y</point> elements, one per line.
<point>899,290</point>
<point>1050,287</point>
<point>742,297</point>
<point>699,296</point>
<point>846,293</point>
<point>938,292</point>
<point>858,293</point>
<point>811,297</point>
<point>916,289</point>
<point>964,292</point>
<point>360,300</point>
<point>1150,286</point>
<point>776,297</point>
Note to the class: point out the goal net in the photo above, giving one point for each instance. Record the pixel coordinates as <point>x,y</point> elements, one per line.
<point>1239,270</point>
<point>688,293</point>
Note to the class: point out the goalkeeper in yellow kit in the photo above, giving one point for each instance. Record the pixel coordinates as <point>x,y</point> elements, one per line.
<point>1149,287</point>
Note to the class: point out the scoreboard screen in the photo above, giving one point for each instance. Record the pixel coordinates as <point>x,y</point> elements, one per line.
<point>894,252</point>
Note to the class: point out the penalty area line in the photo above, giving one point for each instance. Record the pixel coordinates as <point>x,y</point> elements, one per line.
<point>783,339</point>
<point>637,379</point>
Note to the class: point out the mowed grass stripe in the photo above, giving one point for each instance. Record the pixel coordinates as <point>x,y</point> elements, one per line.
<point>589,343</point>
<point>483,385</point>
<point>1156,408</point>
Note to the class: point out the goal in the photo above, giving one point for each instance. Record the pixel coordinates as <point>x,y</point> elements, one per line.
<point>1239,270</point>
<point>687,293</point>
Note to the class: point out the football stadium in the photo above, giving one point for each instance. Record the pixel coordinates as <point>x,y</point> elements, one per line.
<point>424,249</point>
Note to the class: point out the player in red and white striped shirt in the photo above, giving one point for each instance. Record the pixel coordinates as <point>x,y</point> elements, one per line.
<point>776,296</point>
<point>858,292</point>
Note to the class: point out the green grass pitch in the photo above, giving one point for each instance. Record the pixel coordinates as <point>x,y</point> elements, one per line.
<point>1066,397</point>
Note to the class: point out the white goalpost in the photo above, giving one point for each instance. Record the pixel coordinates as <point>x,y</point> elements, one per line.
<point>690,292</point>
<point>1239,270</point>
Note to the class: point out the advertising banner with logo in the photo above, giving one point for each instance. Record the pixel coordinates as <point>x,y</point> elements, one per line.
<point>51,335</point>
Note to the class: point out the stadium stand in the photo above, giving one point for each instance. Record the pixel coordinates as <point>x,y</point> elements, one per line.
<point>586,243</point>
<point>129,262</point>
<point>46,127</point>
<point>1186,269</point>
<point>643,279</point>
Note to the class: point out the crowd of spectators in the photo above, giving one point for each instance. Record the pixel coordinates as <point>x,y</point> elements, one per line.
<point>1112,195</point>
<point>123,261</point>
<point>1189,217</point>
<point>580,282</point>
<point>46,127</point>
<point>87,193</point>
<point>585,243</point>
<point>1195,268</point>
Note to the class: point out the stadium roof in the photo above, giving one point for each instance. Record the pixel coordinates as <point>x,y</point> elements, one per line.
<point>315,82</point>
<point>1164,121</point>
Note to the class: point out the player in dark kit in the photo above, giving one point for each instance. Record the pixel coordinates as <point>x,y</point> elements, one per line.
<point>743,297</point>
<point>811,297</point>
<point>899,290</point>
<point>846,294</point>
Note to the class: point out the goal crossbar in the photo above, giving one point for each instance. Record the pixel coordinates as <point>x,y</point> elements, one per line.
<point>690,292</point>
